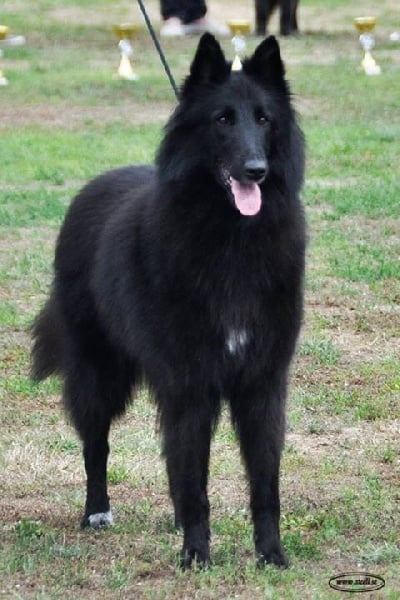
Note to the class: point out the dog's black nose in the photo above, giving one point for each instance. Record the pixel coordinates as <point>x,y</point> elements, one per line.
<point>255,170</point>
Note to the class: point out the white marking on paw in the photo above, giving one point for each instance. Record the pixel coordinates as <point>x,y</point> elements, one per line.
<point>104,519</point>
<point>237,340</point>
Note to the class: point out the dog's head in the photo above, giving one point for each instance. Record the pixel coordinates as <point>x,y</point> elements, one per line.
<point>232,121</point>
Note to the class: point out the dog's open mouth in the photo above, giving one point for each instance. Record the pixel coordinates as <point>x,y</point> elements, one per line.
<point>246,196</point>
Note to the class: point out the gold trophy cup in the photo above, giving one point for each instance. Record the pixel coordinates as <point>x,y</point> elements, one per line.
<point>125,32</point>
<point>239,29</point>
<point>3,34</point>
<point>366,26</point>
<point>4,30</point>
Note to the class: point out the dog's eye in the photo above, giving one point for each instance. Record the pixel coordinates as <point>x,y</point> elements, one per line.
<point>262,119</point>
<point>225,118</point>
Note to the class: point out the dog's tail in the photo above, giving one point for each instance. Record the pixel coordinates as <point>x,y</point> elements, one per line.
<point>46,352</point>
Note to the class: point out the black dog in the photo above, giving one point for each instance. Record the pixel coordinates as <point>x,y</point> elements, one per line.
<point>288,15</point>
<point>189,276</point>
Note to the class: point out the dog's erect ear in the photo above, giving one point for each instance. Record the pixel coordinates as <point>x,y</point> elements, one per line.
<point>209,65</point>
<point>266,64</point>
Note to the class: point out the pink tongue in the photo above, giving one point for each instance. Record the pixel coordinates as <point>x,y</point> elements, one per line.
<point>247,197</point>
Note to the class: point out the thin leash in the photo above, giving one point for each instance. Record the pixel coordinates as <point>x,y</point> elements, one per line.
<point>159,49</point>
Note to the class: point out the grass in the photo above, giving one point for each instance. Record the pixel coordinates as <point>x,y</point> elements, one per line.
<point>63,119</point>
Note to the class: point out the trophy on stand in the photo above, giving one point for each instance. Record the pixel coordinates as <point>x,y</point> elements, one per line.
<point>366,25</point>
<point>10,41</point>
<point>239,28</point>
<point>3,34</point>
<point>125,32</point>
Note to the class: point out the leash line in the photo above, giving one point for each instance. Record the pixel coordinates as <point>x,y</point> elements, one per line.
<point>159,49</point>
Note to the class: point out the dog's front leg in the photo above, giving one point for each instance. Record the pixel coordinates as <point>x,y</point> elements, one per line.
<point>259,420</point>
<point>187,424</point>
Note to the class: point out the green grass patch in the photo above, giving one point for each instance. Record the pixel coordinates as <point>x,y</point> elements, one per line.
<point>32,156</point>
<point>322,350</point>
<point>364,196</point>
<point>23,208</point>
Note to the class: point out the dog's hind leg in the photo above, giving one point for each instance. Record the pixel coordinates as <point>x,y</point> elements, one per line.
<point>187,426</point>
<point>95,450</point>
<point>93,397</point>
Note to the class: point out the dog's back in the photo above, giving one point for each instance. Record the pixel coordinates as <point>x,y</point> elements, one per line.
<point>74,261</point>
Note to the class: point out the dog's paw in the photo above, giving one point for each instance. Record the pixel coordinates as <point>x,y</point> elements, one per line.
<point>199,558</point>
<point>99,520</point>
<point>273,555</point>
<point>196,546</point>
